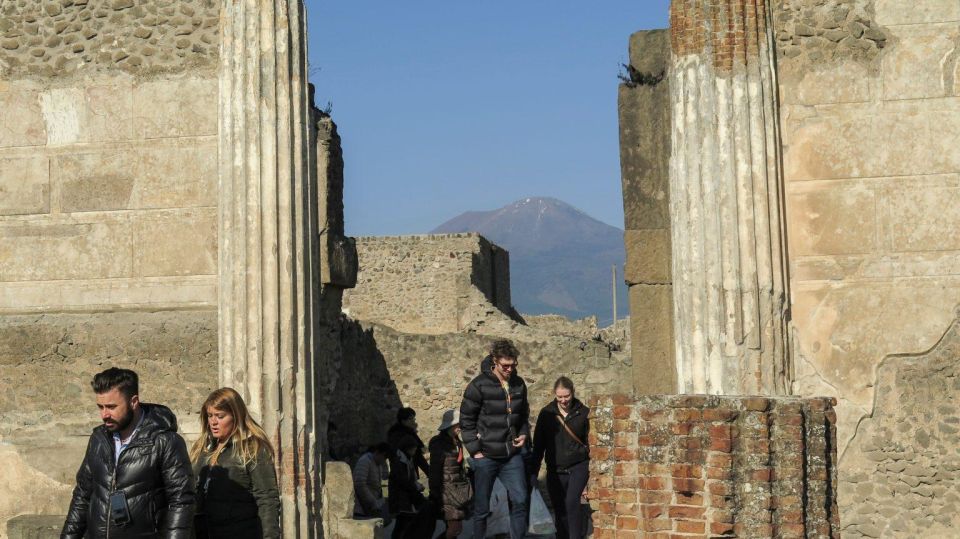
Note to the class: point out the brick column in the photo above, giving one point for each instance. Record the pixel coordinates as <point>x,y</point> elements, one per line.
<point>729,260</point>
<point>668,467</point>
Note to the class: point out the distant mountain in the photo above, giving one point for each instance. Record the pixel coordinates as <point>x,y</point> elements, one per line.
<point>560,257</point>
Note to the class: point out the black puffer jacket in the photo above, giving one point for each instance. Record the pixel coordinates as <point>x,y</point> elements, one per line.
<point>552,441</point>
<point>488,423</point>
<point>154,474</point>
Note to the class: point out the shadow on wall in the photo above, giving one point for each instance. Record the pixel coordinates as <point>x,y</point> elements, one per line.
<point>365,400</point>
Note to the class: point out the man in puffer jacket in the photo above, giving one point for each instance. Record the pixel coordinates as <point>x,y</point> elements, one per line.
<point>495,423</point>
<point>136,479</point>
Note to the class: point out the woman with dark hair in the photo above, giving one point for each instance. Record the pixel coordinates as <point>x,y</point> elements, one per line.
<point>560,438</point>
<point>237,496</point>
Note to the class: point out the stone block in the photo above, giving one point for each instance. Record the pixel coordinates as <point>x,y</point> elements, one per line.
<point>644,113</point>
<point>833,221</point>
<point>848,82</point>
<point>648,256</point>
<point>35,526</point>
<point>175,242</point>
<point>95,181</point>
<point>177,107</point>
<point>896,12</point>
<point>650,51</point>
<point>177,176</point>
<point>338,490</point>
<point>24,185</point>
<point>855,145</point>
<point>108,294</point>
<point>100,112</point>
<point>65,249</point>
<point>914,66</point>
<point>22,123</point>
<point>924,219</point>
<point>651,331</point>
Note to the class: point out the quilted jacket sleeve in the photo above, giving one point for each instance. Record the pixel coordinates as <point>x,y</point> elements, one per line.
<point>469,415</point>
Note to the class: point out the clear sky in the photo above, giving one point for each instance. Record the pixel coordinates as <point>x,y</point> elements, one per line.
<point>446,106</point>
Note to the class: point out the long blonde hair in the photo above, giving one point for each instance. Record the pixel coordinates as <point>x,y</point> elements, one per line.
<point>247,437</point>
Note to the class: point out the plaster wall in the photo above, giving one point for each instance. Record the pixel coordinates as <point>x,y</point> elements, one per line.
<point>870,117</point>
<point>108,223</point>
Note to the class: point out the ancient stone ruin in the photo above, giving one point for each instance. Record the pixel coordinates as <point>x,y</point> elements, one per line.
<point>789,178</point>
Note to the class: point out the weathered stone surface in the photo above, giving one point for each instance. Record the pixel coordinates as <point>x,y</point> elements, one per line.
<point>921,63</point>
<point>24,185</point>
<point>35,526</point>
<point>839,221</point>
<point>181,242</point>
<point>651,335</point>
<point>175,107</point>
<point>648,256</point>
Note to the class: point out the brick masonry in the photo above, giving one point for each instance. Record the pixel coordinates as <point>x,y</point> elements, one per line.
<point>680,466</point>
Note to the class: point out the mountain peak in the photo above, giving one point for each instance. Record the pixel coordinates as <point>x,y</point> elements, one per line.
<point>560,257</point>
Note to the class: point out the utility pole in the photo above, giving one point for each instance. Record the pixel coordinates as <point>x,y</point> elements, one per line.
<point>613,268</point>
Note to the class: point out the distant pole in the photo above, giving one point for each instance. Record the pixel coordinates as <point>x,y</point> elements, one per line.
<point>613,268</point>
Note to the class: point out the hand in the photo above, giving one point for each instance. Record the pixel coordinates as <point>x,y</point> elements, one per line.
<point>478,455</point>
<point>519,440</point>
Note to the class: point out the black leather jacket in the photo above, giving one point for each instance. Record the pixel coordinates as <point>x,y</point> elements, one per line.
<point>153,472</point>
<point>489,424</point>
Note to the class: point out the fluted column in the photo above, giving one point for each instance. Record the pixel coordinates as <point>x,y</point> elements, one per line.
<point>268,240</point>
<point>726,201</point>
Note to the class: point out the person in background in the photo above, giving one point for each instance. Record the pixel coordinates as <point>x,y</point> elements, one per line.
<point>237,495</point>
<point>405,494</point>
<point>560,438</point>
<point>135,480</point>
<point>450,489</point>
<point>406,427</point>
<point>368,474</point>
<point>494,418</point>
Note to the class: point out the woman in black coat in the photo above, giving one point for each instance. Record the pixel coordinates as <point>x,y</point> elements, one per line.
<point>560,438</point>
<point>237,496</point>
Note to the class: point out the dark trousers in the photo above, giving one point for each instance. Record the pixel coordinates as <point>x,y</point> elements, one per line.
<point>514,478</point>
<point>565,490</point>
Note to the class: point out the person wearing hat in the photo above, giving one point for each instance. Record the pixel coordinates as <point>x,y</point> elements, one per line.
<point>450,489</point>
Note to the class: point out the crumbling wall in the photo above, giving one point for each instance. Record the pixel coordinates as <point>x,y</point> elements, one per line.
<point>870,126</point>
<point>709,466</point>
<point>644,109</point>
<point>430,284</point>
<point>384,369</point>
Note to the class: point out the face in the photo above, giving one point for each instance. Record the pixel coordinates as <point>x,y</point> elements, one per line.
<point>454,430</point>
<point>410,422</point>
<point>220,423</point>
<point>564,396</point>
<point>506,366</point>
<point>116,410</point>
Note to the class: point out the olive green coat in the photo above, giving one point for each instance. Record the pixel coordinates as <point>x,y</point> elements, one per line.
<point>236,501</point>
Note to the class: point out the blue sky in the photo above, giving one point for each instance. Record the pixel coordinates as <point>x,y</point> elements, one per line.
<point>445,107</point>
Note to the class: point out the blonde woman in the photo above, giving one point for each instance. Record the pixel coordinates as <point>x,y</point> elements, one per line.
<point>237,494</point>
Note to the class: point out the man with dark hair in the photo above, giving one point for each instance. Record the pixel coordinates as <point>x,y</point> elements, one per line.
<point>494,422</point>
<point>135,479</point>
<point>406,428</point>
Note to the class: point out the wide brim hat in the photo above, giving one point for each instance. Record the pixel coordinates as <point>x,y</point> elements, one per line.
<point>450,418</point>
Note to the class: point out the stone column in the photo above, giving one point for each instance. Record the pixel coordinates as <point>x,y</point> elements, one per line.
<point>726,201</point>
<point>268,241</point>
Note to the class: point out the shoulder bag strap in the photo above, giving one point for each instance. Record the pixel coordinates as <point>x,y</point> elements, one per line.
<point>570,432</point>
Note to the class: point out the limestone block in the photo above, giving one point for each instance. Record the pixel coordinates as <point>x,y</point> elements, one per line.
<point>108,294</point>
<point>924,219</point>
<point>648,256</point>
<point>880,265</point>
<point>22,123</point>
<point>175,242</point>
<point>650,51</point>
<point>88,248</point>
<point>177,107</point>
<point>892,12</point>
<point>834,221</point>
<point>100,112</point>
<point>95,181</point>
<point>24,185</point>
<point>27,490</point>
<point>338,490</point>
<point>914,67</point>
<point>877,145</point>
<point>178,176</point>
<point>644,113</point>
<point>651,331</point>
<point>35,526</point>
<point>848,82</point>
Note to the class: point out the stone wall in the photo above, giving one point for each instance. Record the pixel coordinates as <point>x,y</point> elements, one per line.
<point>384,369</point>
<point>644,109</point>
<point>108,222</point>
<point>698,466</point>
<point>429,284</point>
<point>870,128</point>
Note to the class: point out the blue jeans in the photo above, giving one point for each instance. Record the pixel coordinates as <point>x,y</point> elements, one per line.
<point>513,476</point>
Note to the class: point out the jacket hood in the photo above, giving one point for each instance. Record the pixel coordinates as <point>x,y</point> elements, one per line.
<point>158,418</point>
